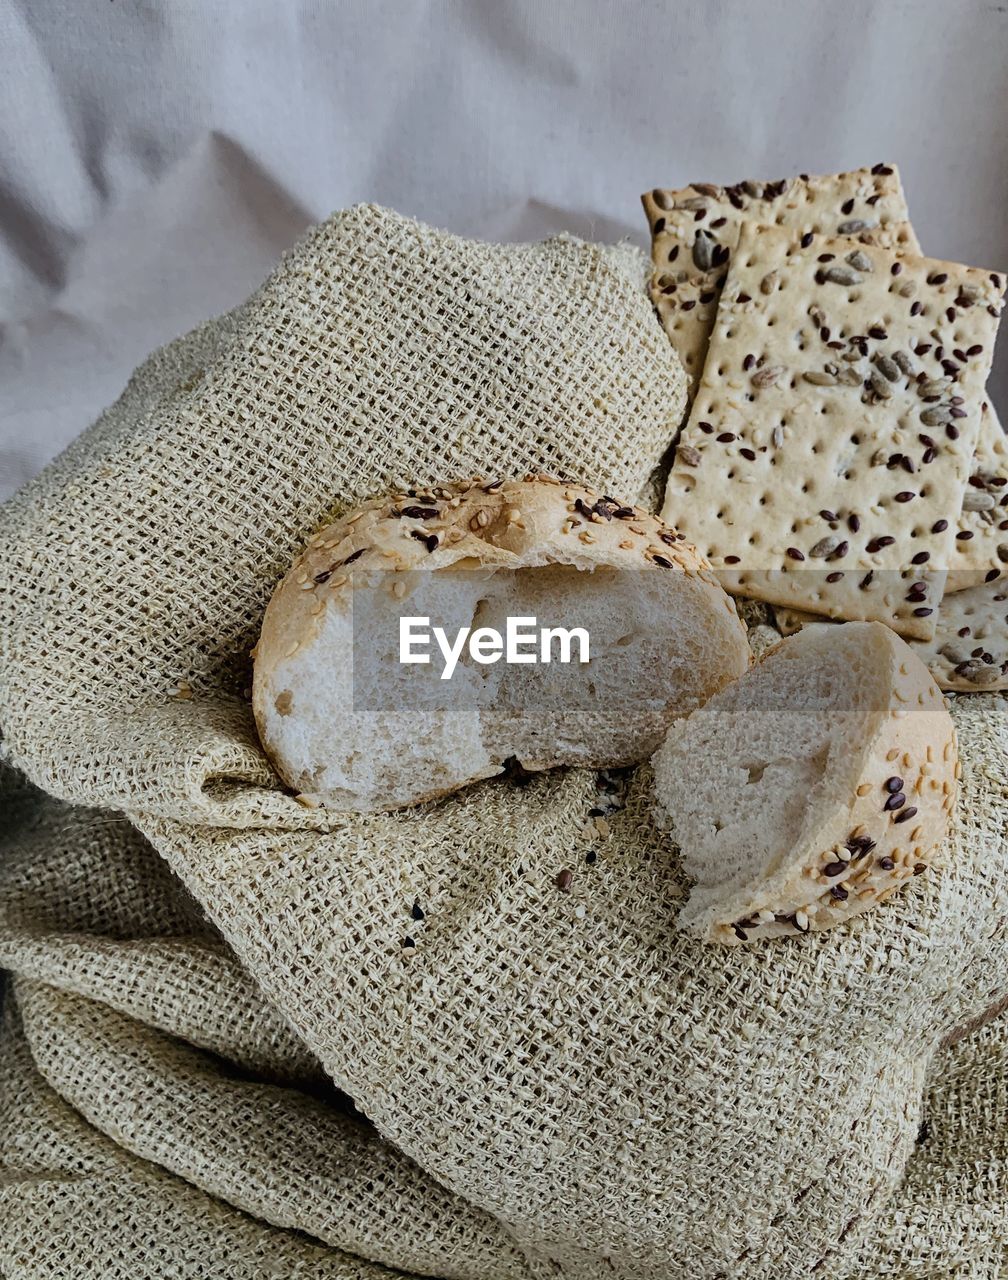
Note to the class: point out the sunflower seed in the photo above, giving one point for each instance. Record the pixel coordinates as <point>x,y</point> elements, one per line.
<point>694,203</point>
<point>977,500</point>
<point>703,251</point>
<point>880,385</point>
<point>855,225</point>
<point>824,547</point>
<point>753,189</point>
<point>842,275</point>
<point>933,387</point>
<point>938,415</point>
<point>859,261</point>
<point>888,367</point>
<point>820,379</point>
<point>663,199</point>
<point>904,363</point>
<point>849,377</point>
<point>707,189</point>
<point>769,282</point>
<point>767,376</point>
<point>688,455</point>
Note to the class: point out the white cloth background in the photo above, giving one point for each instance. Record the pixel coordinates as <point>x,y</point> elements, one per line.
<point>156,156</point>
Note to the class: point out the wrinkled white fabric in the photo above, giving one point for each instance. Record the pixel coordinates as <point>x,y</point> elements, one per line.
<point>155,159</point>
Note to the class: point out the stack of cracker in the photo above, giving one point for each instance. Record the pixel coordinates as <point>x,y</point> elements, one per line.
<point>840,459</point>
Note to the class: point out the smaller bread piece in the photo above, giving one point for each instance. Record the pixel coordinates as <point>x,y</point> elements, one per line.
<point>348,726</point>
<point>695,230</point>
<point>811,789</point>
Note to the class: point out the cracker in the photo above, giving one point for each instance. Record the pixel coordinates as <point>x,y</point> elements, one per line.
<point>695,230</point>
<point>812,458</point>
<point>980,550</point>
<point>968,652</point>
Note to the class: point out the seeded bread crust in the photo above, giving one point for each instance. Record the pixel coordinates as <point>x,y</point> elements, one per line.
<point>695,230</point>
<point>870,844</point>
<point>508,524</point>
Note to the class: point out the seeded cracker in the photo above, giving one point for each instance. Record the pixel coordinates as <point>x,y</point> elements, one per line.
<point>695,230</point>
<point>980,550</point>
<point>815,457</point>
<point>969,651</point>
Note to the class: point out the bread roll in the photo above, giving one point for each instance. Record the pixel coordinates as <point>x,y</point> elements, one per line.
<point>812,788</point>
<point>348,726</point>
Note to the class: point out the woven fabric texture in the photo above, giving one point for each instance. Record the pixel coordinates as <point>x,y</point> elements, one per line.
<point>380,353</point>
<point>127,1150</point>
<point>553,1083</point>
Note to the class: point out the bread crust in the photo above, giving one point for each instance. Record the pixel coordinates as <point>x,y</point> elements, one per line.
<point>510,524</point>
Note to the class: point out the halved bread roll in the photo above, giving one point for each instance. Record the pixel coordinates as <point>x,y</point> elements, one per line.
<point>348,725</point>
<point>812,788</point>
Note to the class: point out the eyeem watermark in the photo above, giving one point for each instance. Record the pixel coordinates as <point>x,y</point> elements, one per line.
<point>523,641</point>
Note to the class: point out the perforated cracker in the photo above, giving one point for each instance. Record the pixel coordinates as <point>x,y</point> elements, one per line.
<point>829,444</point>
<point>980,549</point>
<point>694,231</point>
<point>969,650</point>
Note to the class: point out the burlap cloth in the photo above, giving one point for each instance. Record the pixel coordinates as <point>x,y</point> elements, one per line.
<point>544,1083</point>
